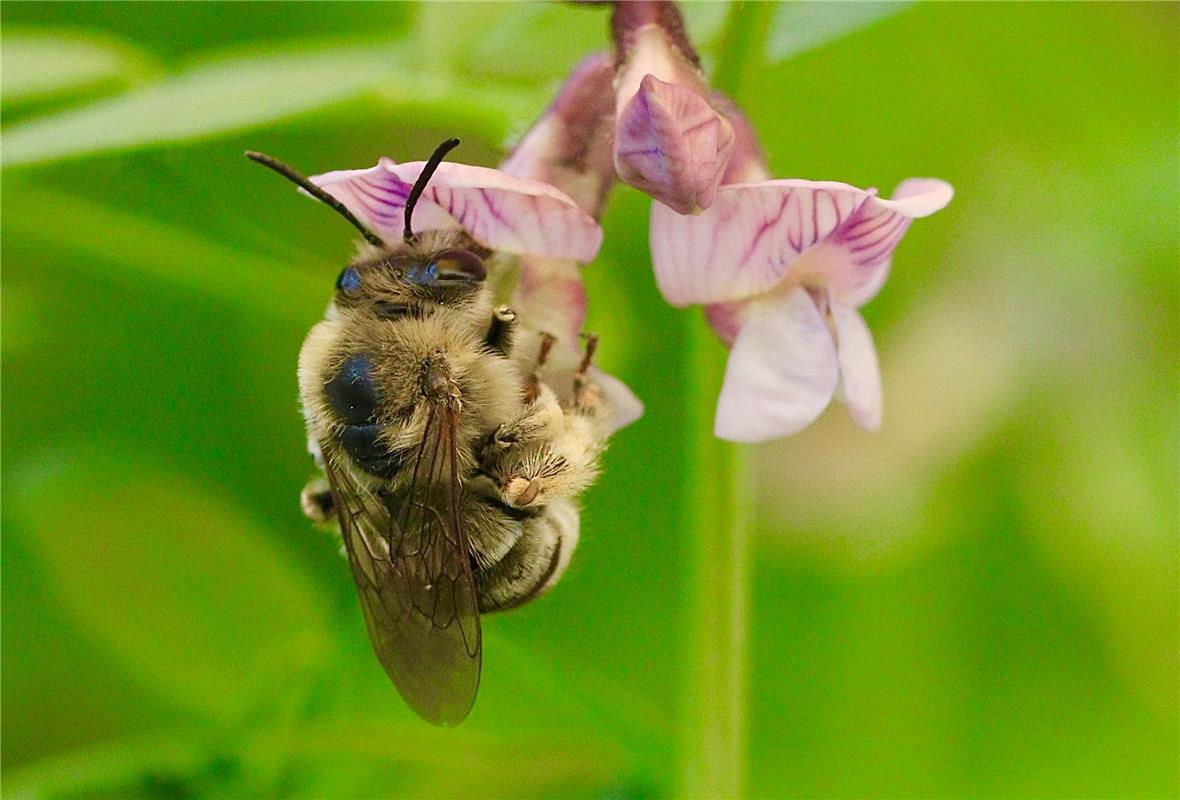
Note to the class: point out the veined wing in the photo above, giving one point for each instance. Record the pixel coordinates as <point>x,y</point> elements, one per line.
<point>409,555</point>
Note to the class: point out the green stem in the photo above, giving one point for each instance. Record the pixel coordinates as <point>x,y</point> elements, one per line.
<point>742,49</point>
<point>713,748</point>
<point>718,502</point>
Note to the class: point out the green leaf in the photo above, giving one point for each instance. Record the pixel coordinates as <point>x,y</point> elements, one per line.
<point>799,27</point>
<point>40,64</point>
<point>227,94</point>
<point>180,584</point>
<point>236,92</point>
<point>105,764</point>
<point>532,42</point>
<point>705,22</point>
<point>156,251</point>
<point>408,759</point>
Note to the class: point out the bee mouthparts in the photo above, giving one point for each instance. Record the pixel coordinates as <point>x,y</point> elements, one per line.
<point>438,383</point>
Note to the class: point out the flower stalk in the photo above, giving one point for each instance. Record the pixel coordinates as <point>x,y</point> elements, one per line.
<point>715,728</point>
<point>713,747</point>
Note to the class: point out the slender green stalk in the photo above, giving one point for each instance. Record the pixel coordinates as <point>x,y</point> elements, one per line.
<point>713,748</point>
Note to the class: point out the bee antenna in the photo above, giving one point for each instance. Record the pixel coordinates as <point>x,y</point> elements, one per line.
<point>306,185</point>
<point>424,178</point>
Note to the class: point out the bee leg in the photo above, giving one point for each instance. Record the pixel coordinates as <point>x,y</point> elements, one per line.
<point>317,502</point>
<point>499,336</point>
<point>542,417</point>
<point>587,396</point>
<point>559,464</point>
<point>534,563</point>
<point>532,387</point>
<point>520,492</point>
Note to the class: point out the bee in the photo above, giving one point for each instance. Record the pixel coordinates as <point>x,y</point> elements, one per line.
<point>450,467</point>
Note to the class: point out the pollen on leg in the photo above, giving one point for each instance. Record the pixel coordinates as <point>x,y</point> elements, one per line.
<point>533,386</point>
<point>586,395</point>
<point>504,437</point>
<point>317,502</point>
<point>521,492</point>
<point>499,335</point>
<point>591,348</point>
<point>547,340</point>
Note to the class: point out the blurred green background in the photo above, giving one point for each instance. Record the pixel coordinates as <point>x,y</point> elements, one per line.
<point>980,600</point>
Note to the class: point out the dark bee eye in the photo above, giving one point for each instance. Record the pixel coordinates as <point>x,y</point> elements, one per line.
<point>352,393</point>
<point>448,266</point>
<point>349,282</point>
<point>390,310</point>
<point>362,443</point>
<point>460,264</point>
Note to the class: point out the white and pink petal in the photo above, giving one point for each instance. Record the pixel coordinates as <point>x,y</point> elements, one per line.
<point>782,371</point>
<point>650,39</point>
<point>569,147</point>
<point>860,376</point>
<point>551,297</point>
<point>747,163</point>
<point>744,244</point>
<point>624,407</point>
<point>855,260</point>
<point>757,236</point>
<point>726,319</point>
<point>504,213</point>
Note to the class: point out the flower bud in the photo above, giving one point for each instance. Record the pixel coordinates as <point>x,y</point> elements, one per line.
<point>670,142</point>
<point>569,146</point>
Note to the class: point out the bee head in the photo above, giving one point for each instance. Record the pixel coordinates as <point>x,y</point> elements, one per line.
<point>454,266</point>
<point>401,281</point>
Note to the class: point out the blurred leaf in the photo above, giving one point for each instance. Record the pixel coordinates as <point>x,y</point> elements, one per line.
<point>1024,645</point>
<point>531,42</point>
<point>570,693</point>
<point>179,583</point>
<point>408,758</point>
<point>363,737</point>
<point>37,64</point>
<point>1119,542</point>
<point>160,252</point>
<point>22,319</point>
<point>224,95</point>
<point>803,26</point>
<point>83,770</point>
<point>705,21</point>
<point>173,31</point>
<point>236,92</point>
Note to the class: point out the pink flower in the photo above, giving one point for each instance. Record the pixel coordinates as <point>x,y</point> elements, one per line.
<point>504,213</point>
<point>783,266</point>
<point>669,140</point>
<point>569,148</point>
<point>540,208</point>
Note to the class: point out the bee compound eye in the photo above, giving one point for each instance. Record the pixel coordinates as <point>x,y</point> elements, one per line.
<point>349,282</point>
<point>421,274</point>
<point>362,442</point>
<point>460,264</point>
<point>352,393</point>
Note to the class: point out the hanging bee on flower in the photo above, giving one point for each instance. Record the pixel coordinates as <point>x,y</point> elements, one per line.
<point>454,438</point>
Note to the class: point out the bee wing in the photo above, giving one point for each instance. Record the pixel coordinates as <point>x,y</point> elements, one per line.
<point>409,556</point>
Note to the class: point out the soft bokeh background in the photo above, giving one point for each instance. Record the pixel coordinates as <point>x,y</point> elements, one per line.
<point>980,600</point>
